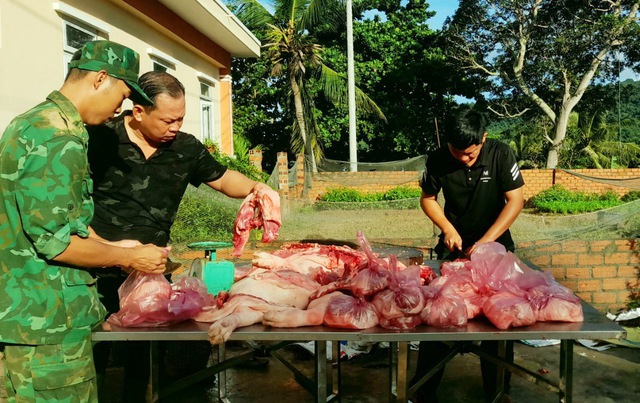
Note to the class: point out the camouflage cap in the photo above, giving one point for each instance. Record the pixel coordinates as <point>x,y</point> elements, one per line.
<point>117,60</point>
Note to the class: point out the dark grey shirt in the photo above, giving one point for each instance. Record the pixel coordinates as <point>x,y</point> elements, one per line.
<point>474,196</point>
<point>137,198</point>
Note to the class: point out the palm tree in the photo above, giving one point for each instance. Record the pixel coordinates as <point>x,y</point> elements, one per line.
<point>597,141</point>
<point>294,55</point>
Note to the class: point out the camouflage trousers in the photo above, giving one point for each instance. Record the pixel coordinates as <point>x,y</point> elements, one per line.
<point>60,373</point>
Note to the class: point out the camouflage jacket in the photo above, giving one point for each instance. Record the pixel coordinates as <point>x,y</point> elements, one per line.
<point>45,198</point>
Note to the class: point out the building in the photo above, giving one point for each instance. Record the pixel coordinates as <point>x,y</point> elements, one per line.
<point>194,40</point>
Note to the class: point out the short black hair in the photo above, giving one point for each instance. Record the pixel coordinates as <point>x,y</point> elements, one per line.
<point>154,83</point>
<point>468,129</point>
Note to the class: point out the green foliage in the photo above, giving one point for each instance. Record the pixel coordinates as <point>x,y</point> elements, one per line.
<point>241,166</point>
<point>543,56</point>
<point>558,200</point>
<point>631,196</point>
<point>203,218</point>
<point>400,62</point>
<point>344,198</point>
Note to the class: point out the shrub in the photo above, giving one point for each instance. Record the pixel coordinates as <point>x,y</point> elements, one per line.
<point>631,196</point>
<point>244,168</point>
<point>559,200</point>
<point>343,198</point>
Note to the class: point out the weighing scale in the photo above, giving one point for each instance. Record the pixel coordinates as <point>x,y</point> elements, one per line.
<point>216,274</point>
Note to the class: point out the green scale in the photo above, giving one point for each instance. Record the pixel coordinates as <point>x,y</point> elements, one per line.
<point>216,274</point>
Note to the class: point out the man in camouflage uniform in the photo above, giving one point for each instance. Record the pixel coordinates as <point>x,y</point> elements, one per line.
<point>48,301</point>
<point>141,164</point>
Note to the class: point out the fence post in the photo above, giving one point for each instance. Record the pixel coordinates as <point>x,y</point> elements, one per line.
<point>283,174</point>
<point>255,158</point>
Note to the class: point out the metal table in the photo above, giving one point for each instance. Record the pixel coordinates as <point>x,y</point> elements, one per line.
<point>595,326</point>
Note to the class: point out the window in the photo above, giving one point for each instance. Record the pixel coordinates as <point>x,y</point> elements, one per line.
<point>77,28</point>
<point>206,113</point>
<point>162,61</point>
<point>74,36</point>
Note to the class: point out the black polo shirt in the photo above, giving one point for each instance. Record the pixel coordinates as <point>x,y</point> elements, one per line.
<point>474,197</point>
<point>137,198</point>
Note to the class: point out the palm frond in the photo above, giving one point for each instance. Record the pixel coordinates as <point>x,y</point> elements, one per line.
<point>336,90</point>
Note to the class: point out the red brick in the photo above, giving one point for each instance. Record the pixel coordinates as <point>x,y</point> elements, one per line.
<point>574,246</point>
<point>563,259</point>
<point>577,272</point>
<point>590,259</point>
<point>617,258</point>
<point>570,284</point>
<point>589,285</point>
<point>587,296</point>
<point>559,273</point>
<point>599,246</point>
<point>626,245</point>
<point>553,247</point>
<point>629,271</point>
<point>604,272</point>
<point>614,284</point>
<point>605,298</point>
<point>540,260</point>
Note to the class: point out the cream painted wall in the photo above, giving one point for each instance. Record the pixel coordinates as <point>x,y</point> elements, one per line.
<point>31,55</point>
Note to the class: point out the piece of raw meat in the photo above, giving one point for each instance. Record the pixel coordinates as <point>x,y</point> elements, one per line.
<point>260,209</point>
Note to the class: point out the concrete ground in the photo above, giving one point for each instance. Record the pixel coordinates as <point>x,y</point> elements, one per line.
<point>599,377</point>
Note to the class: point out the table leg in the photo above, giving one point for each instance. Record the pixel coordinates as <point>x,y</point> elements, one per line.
<point>403,363</point>
<point>153,394</point>
<point>321,371</point>
<point>393,370</point>
<point>336,370</point>
<point>222,375</point>
<point>566,371</point>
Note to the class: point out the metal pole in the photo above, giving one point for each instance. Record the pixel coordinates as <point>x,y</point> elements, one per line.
<point>353,142</point>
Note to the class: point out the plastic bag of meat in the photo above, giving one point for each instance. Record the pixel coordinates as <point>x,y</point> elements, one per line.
<point>493,269</point>
<point>260,209</point>
<point>506,309</point>
<point>347,312</point>
<point>399,305</point>
<point>556,303</point>
<point>149,300</point>
<point>455,266</point>
<point>461,284</point>
<point>442,309</point>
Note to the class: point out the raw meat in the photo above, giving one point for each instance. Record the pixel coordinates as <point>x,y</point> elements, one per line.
<point>506,309</point>
<point>260,209</point>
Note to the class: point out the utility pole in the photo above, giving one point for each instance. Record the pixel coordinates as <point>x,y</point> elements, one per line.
<point>353,141</point>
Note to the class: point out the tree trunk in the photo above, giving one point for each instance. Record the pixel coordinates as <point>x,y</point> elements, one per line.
<point>297,101</point>
<point>560,130</point>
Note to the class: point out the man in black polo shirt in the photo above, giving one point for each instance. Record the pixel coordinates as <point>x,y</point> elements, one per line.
<point>141,164</point>
<point>482,188</point>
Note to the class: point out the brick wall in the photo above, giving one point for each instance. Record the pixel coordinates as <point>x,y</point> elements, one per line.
<point>601,271</point>
<point>536,180</point>
<point>366,182</point>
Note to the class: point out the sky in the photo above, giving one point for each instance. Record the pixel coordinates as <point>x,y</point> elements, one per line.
<point>443,9</point>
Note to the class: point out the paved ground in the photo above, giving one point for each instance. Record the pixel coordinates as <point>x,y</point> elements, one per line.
<point>599,377</point>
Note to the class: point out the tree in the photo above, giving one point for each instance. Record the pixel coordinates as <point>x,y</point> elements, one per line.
<point>399,61</point>
<point>295,57</point>
<point>543,54</point>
